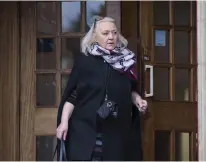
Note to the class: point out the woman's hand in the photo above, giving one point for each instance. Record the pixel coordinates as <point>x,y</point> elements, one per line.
<point>62,130</point>
<point>139,102</point>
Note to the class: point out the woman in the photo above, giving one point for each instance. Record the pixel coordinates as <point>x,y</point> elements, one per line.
<point>103,72</point>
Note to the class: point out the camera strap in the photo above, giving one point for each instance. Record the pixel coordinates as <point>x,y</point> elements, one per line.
<point>106,82</point>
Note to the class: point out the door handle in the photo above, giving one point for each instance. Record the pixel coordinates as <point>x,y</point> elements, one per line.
<point>151,93</point>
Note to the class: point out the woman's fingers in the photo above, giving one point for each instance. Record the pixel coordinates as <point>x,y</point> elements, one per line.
<point>144,103</point>
<point>64,135</point>
<point>59,133</point>
<point>142,106</point>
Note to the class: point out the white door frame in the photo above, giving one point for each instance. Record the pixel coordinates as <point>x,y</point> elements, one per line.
<point>201,78</point>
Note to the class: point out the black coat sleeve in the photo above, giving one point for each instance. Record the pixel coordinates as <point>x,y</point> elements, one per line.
<point>70,90</point>
<point>133,85</point>
<point>72,98</point>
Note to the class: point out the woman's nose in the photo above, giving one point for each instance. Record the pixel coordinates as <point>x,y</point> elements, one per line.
<point>111,36</point>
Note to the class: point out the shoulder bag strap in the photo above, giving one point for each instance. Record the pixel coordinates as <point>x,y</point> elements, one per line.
<point>62,151</point>
<point>106,81</point>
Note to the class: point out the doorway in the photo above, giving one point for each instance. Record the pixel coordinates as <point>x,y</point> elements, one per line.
<point>165,31</point>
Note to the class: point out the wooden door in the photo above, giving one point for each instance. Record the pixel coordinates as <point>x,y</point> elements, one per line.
<point>50,40</point>
<point>168,37</point>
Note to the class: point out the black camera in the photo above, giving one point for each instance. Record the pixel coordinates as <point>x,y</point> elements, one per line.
<point>108,108</point>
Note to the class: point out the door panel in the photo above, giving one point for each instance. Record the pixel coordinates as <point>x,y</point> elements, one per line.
<point>45,121</point>
<point>169,130</point>
<point>185,117</point>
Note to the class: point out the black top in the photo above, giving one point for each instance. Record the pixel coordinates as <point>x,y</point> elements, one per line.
<point>88,80</point>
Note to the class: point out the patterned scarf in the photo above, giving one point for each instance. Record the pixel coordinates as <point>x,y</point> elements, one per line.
<point>121,59</point>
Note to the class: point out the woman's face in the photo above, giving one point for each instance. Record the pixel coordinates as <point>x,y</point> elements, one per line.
<point>106,35</point>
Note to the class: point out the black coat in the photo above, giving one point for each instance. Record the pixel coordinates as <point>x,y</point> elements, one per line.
<point>122,135</point>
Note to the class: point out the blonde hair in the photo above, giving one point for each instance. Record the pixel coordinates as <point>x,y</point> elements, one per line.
<point>87,40</point>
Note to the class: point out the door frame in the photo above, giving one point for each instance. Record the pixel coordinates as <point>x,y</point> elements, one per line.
<point>201,78</point>
<point>27,80</point>
<point>9,81</point>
